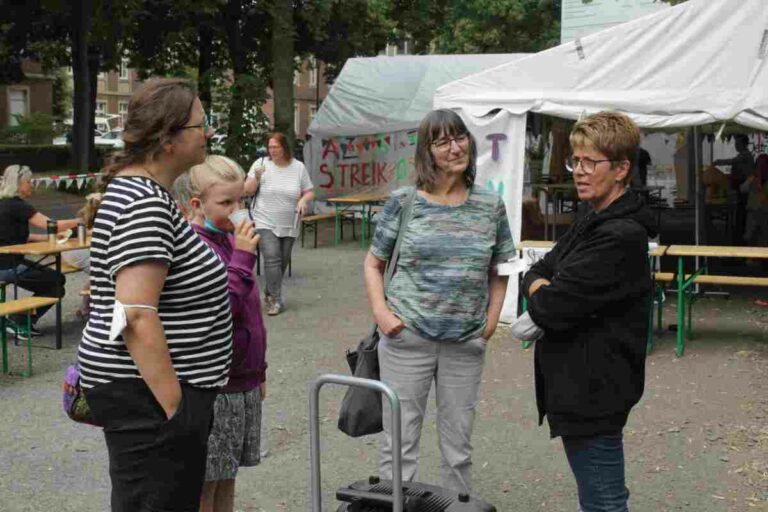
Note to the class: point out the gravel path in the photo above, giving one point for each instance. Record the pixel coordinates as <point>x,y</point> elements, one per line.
<point>698,441</point>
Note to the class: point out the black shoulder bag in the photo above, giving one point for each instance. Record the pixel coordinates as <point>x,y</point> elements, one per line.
<point>360,412</point>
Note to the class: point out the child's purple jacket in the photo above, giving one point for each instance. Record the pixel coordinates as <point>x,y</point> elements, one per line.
<point>249,338</point>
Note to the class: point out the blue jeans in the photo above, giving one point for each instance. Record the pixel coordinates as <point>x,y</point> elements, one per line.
<point>598,465</point>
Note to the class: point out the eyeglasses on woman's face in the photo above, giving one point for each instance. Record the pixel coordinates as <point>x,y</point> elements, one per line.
<point>205,125</point>
<point>588,165</point>
<point>443,145</point>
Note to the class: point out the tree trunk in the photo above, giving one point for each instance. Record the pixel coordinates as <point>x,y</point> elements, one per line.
<point>232,26</point>
<point>283,67</point>
<point>204,63</point>
<point>94,59</point>
<point>81,18</point>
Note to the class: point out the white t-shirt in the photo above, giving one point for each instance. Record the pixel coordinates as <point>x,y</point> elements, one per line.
<point>279,192</point>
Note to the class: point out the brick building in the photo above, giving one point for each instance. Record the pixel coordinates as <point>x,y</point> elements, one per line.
<point>33,94</point>
<point>309,91</point>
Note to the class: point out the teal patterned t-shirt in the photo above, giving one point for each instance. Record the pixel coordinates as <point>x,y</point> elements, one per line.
<point>440,286</point>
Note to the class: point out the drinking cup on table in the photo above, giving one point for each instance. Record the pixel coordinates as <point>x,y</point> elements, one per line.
<point>239,216</point>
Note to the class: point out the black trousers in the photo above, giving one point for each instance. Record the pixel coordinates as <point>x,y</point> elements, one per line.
<point>42,281</point>
<point>155,464</point>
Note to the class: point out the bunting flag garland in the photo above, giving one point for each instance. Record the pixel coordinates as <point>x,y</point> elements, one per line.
<point>80,180</point>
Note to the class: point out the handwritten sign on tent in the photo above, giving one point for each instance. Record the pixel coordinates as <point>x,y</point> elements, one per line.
<point>365,163</point>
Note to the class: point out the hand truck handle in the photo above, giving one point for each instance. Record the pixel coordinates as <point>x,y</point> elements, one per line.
<point>314,435</point>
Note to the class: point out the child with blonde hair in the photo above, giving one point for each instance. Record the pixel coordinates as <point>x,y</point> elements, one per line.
<point>213,192</point>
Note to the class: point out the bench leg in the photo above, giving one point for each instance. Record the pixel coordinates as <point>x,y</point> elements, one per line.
<point>28,372</point>
<point>302,234</point>
<point>315,228</point>
<point>3,340</point>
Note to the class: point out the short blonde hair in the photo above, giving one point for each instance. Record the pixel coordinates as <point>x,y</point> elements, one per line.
<point>215,169</point>
<point>611,133</point>
<point>12,176</point>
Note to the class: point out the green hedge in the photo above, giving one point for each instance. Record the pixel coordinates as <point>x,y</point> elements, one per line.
<point>44,157</point>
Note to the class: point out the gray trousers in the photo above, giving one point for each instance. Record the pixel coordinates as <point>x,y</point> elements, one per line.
<point>409,364</point>
<point>276,252</point>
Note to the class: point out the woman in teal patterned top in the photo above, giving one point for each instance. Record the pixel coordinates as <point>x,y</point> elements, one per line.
<point>444,301</point>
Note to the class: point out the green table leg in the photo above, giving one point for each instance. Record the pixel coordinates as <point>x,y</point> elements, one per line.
<point>680,307</point>
<point>660,312</point>
<point>649,342</point>
<point>336,225</point>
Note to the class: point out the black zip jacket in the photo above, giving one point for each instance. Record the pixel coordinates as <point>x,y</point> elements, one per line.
<point>590,364</point>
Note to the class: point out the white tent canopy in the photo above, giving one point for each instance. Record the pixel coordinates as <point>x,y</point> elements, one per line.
<point>700,62</point>
<point>388,94</point>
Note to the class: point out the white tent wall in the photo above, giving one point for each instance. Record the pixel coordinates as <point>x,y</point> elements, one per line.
<point>700,62</point>
<point>500,139</point>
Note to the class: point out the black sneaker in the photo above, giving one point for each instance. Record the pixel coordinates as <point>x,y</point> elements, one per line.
<point>35,332</point>
<point>19,332</point>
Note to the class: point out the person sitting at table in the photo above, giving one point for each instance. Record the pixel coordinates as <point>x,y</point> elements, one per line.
<point>590,296</point>
<point>16,217</point>
<point>283,193</point>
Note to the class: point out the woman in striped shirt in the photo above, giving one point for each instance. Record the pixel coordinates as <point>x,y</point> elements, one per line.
<point>158,342</point>
<point>283,194</point>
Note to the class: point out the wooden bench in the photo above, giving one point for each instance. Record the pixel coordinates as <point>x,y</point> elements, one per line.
<point>730,280</point>
<point>310,223</point>
<point>26,305</point>
<point>66,268</point>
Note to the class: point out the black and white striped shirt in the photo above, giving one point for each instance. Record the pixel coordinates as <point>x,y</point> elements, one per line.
<point>138,221</point>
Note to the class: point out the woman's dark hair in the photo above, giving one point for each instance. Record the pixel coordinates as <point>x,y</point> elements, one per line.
<point>435,125</point>
<point>281,139</point>
<point>155,113</point>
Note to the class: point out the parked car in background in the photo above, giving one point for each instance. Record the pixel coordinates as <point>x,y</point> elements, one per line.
<point>113,138</point>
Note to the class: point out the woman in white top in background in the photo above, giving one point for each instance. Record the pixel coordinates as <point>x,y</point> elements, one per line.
<point>283,192</point>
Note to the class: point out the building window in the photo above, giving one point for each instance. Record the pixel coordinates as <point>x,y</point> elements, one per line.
<point>296,119</point>
<point>312,114</point>
<point>18,105</point>
<point>297,78</point>
<point>101,107</point>
<point>312,72</point>
<point>124,69</point>
<point>122,107</point>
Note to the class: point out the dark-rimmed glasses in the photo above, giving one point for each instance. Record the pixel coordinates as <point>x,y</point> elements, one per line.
<point>444,145</point>
<point>205,125</point>
<point>588,165</point>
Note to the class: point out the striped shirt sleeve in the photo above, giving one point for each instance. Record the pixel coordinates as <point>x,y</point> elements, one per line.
<point>143,232</point>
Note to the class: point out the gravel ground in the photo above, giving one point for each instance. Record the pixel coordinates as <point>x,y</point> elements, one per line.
<point>698,440</point>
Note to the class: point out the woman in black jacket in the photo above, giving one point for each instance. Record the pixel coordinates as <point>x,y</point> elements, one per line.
<point>590,295</point>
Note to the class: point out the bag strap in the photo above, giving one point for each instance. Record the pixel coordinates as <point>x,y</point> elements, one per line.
<point>405,217</point>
